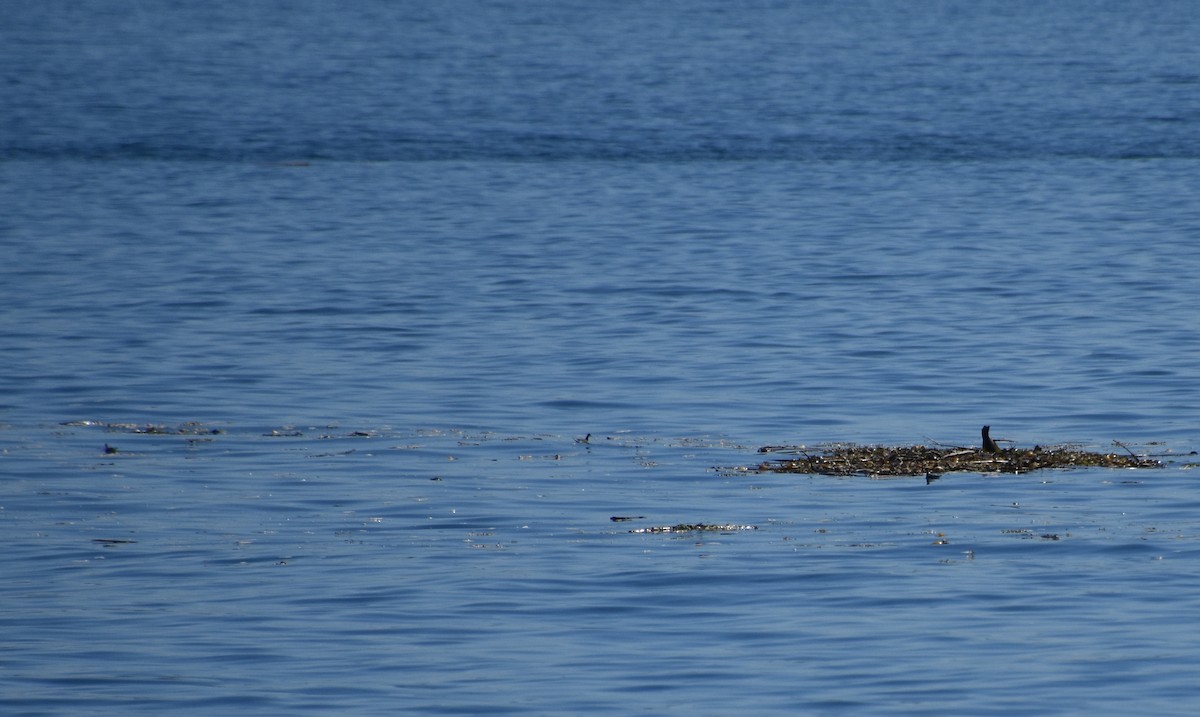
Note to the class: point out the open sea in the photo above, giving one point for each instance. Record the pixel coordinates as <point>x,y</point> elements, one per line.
<point>334,336</point>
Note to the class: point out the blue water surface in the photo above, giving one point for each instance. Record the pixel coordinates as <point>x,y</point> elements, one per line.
<point>307,309</point>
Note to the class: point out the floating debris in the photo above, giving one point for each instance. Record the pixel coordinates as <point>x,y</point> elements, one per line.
<point>694,527</point>
<point>334,454</point>
<point>1027,534</point>
<point>934,462</point>
<point>191,428</point>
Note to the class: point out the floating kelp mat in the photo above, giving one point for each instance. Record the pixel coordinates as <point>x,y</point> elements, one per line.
<point>931,462</point>
<point>190,428</point>
<point>694,528</point>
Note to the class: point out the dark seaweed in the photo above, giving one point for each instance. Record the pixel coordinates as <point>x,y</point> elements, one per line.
<point>932,462</point>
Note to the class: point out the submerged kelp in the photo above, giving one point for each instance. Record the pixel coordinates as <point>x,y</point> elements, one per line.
<point>883,461</point>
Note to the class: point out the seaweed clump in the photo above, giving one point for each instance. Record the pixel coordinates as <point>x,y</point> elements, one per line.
<point>694,527</point>
<point>886,461</point>
<point>190,428</point>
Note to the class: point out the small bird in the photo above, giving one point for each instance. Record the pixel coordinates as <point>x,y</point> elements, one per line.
<point>988,444</point>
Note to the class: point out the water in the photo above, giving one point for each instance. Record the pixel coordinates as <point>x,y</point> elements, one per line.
<point>373,270</point>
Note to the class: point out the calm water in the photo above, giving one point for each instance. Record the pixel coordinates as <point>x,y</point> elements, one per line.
<point>373,270</point>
